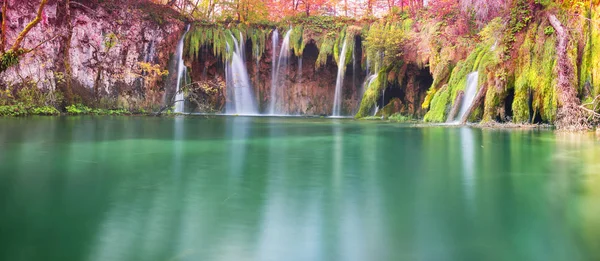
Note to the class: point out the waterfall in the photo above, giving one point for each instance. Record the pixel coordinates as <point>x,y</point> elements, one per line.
<point>366,85</point>
<point>274,43</point>
<point>470,92</point>
<point>240,98</point>
<point>337,99</point>
<point>179,99</point>
<point>368,81</point>
<point>282,62</point>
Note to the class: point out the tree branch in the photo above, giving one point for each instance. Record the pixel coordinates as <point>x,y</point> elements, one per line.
<point>3,29</point>
<point>29,26</point>
<point>40,44</point>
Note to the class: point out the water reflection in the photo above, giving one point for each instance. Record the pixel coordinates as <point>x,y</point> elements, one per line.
<point>236,188</point>
<point>468,160</point>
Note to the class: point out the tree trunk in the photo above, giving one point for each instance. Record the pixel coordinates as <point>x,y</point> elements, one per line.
<point>3,29</point>
<point>68,91</point>
<point>569,115</point>
<point>478,101</point>
<point>457,102</point>
<point>29,26</point>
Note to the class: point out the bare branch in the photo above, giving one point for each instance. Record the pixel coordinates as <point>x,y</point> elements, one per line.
<point>40,44</point>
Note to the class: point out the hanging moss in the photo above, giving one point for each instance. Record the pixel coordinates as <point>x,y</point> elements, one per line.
<point>217,36</point>
<point>535,75</point>
<point>498,82</point>
<point>296,40</point>
<point>590,64</point>
<point>258,37</point>
<point>338,45</point>
<point>441,73</point>
<point>444,98</point>
<point>325,50</point>
<point>485,57</point>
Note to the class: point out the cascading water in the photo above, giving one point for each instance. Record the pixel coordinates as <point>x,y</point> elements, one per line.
<point>368,81</point>
<point>240,97</point>
<point>179,99</point>
<point>337,99</point>
<point>470,92</point>
<point>274,44</point>
<point>282,63</point>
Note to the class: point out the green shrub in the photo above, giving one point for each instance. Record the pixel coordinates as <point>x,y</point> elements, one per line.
<point>44,110</point>
<point>13,110</point>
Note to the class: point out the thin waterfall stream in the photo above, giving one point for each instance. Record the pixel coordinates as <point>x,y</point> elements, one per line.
<point>470,92</point>
<point>282,63</point>
<point>179,97</point>
<point>337,100</point>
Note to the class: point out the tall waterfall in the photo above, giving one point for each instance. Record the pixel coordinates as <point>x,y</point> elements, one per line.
<point>179,99</point>
<point>240,97</point>
<point>274,44</point>
<point>282,62</point>
<point>337,99</point>
<point>470,92</point>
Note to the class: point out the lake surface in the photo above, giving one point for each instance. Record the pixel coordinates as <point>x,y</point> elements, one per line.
<point>242,188</point>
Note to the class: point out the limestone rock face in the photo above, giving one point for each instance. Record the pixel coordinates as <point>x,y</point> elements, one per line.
<point>108,42</point>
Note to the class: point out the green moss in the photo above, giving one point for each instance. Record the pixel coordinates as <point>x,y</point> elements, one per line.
<point>217,37</point>
<point>80,109</point>
<point>535,75</point>
<point>325,50</point>
<point>397,117</point>
<point>496,95</point>
<point>296,40</point>
<point>8,59</point>
<point>441,73</point>
<point>590,65</point>
<point>372,93</point>
<point>383,42</point>
<point>444,98</point>
<point>485,56</point>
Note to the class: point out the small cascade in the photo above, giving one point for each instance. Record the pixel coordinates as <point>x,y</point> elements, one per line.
<point>240,97</point>
<point>337,99</point>
<point>368,81</point>
<point>470,92</point>
<point>179,98</point>
<point>282,63</point>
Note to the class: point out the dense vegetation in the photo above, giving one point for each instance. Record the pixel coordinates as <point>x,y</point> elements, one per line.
<point>534,57</point>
